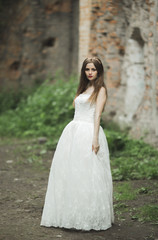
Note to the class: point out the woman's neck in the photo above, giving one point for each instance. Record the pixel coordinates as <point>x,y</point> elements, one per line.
<point>89,89</point>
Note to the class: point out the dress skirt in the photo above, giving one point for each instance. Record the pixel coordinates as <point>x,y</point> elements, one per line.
<point>79,192</point>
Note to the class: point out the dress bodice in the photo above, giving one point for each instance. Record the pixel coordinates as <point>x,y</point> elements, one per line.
<point>84,110</point>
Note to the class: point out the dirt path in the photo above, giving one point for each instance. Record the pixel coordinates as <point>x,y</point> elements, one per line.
<point>23,185</point>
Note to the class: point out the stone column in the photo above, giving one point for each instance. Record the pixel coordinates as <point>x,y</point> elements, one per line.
<point>153,48</point>
<point>84,30</point>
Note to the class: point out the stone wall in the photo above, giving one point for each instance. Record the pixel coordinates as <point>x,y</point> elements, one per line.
<point>37,38</point>
<point>124,34</point>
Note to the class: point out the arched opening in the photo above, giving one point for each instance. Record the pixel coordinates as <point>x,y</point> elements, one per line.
<point>133,75</point>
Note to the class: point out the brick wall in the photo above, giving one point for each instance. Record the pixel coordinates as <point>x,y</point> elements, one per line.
<point>84,29</point>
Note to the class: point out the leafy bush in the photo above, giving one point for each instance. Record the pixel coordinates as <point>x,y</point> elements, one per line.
<point>10,99</point>
<point>45,113</point>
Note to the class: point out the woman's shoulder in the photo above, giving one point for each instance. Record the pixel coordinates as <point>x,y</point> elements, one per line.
<point>102,91</point>
<point>101,98</point>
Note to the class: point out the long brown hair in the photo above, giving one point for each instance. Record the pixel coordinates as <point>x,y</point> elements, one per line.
<point>97,84</point>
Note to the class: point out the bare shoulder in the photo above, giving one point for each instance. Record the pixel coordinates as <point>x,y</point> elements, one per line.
<point>101,99</point>
<point>102,92</point>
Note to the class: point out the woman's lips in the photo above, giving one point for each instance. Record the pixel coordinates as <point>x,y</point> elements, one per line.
<point>90,76</point>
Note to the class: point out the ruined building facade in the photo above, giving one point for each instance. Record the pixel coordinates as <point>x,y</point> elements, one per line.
<point>124,34</point>
<point>42,36</point>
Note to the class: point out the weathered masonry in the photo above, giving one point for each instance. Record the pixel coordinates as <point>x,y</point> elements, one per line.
<point>124,34</point>
<point>37,38</point>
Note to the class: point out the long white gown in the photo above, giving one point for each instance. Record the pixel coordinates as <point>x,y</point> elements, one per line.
<point>79,192</point>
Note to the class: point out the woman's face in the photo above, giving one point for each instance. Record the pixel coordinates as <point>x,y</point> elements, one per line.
<point>91,71</point>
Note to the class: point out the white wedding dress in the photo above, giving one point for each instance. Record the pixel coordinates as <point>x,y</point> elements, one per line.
<point>79,192</point>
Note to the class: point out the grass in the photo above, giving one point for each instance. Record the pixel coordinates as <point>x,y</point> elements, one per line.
<point>125,192</point>
<point>120,210</point>
<point>30,152</point>
<point>131,159</point>
<point>147,213</point>
<point>126,196</point>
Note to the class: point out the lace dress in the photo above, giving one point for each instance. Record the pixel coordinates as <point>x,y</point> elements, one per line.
<point>79,192</point>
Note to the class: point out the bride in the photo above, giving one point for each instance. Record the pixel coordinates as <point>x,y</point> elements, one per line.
<point>80,193</point>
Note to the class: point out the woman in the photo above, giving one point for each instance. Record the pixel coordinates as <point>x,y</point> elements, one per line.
<point>79,192</point>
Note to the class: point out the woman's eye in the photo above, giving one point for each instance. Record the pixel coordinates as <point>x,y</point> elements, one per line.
<point>93,69</point>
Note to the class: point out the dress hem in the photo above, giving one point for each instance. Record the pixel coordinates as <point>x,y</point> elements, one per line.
<point>75,228</point>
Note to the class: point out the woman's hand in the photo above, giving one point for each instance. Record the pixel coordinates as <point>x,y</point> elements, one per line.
<point>95,146</point>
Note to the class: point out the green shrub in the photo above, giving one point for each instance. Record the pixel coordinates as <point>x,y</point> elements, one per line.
<point>10,99</point>
<point>44,113</point>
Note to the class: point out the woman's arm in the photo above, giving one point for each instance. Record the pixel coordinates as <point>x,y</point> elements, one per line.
<point>100,103</point>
